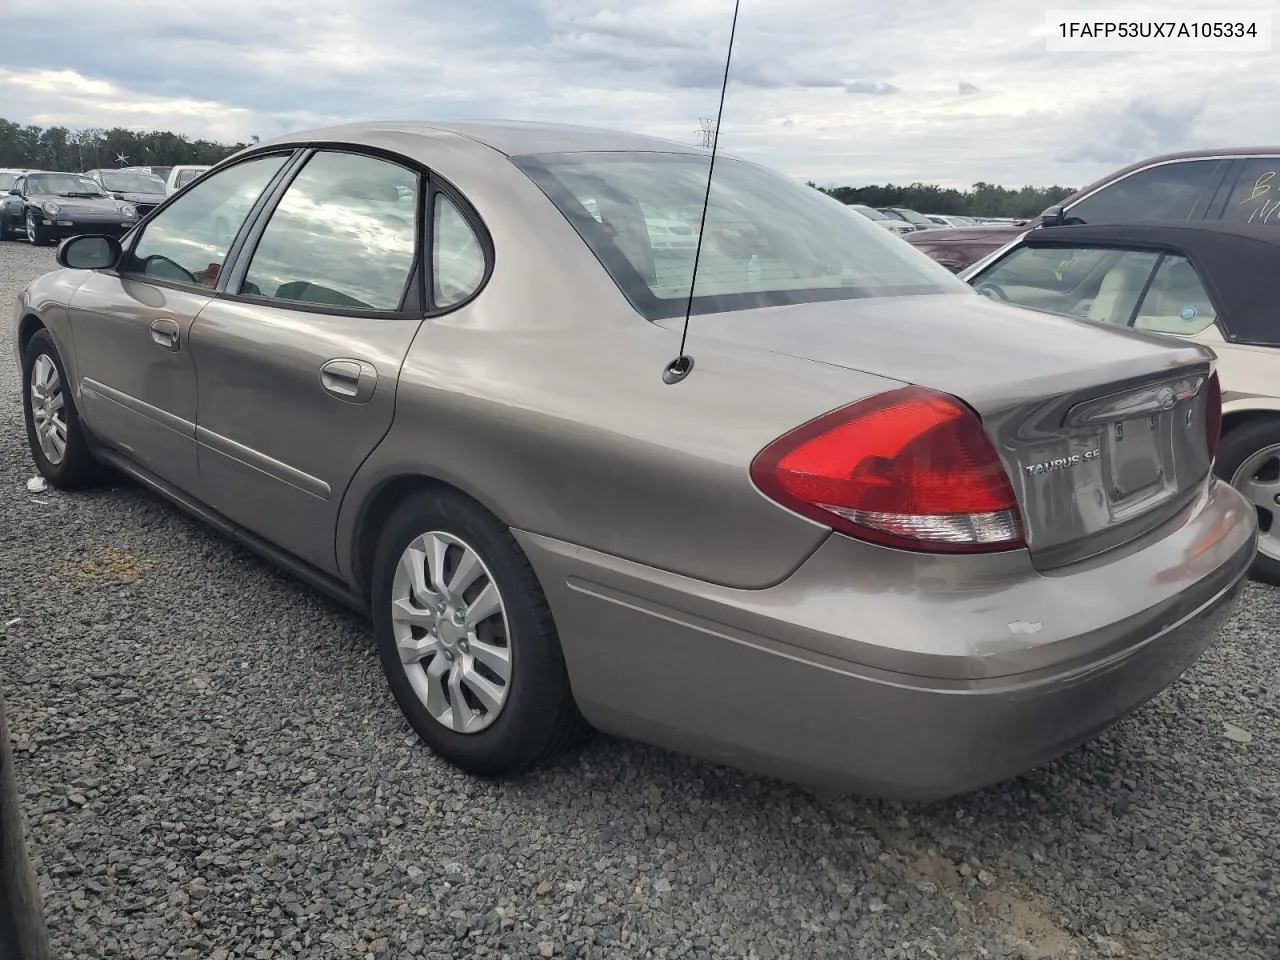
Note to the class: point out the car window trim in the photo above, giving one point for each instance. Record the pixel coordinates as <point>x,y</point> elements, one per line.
<point>1161,257</point>
<point>246,240</point>
<point>260,217</point>
<point>130,240</point>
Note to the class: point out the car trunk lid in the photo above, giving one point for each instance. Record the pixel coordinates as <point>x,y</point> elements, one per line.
<point>1101,430</point>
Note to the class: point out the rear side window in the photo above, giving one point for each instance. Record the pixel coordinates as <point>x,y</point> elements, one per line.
<point>1256,197</point>
<point>343,235</point>
<point>1170,191</point>
<point>769,241</point>
<point>187,242</point>
<point>457,256</point>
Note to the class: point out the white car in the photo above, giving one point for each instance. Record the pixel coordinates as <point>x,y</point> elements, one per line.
<point>892,224</point>
<point>180,176</point>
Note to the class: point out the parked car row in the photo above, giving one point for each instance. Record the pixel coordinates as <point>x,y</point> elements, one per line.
<point>902,220</point>
<point>43,206</point>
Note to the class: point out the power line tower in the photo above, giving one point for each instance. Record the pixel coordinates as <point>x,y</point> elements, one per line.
<point>706,132</point>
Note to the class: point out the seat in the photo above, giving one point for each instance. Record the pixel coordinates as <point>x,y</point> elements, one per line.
<point>1118,293</point>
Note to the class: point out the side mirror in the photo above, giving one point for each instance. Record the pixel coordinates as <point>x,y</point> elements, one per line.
<point>89,253</point>
<point>15,192</point>
<point>1053,217</point>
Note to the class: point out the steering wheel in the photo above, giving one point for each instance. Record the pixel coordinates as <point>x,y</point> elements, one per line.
<point>993,291</point>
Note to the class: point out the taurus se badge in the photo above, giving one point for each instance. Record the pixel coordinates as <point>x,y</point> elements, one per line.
<point>1061,463</point>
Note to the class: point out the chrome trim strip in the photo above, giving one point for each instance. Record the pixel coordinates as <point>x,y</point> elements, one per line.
<point>247,456</point>
<point>164,418</point>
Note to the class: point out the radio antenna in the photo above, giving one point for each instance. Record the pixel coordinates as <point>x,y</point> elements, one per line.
<point>682,365</point>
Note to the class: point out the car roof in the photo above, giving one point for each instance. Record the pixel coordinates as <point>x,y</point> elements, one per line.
<point>1234,260</point>
<point>510,137</point>
<point>1202,154</point>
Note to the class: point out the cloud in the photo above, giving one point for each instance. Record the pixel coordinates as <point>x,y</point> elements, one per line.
<point>821,89</point>
<point>1138,129</point>
<point>870,86</point>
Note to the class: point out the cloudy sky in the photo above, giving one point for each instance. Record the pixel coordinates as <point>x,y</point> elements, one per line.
<point>872,91</point>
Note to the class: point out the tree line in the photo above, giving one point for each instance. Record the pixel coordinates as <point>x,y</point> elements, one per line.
<point>62,148</point>
<point>981,200</point>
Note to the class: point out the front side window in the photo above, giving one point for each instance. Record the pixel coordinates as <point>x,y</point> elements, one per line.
<point>768,241</point>
<point>457,256</point>
<point>1176,302</point>
<point>187,243</point>
<point>1093,283</point>
<point>1169,191</point>
<point>1256,197</point>
<point>186,176</point>
<point>7,180</point>
<point>344,235</point>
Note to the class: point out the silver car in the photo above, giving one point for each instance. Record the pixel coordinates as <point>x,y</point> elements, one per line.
<point>435,370</point>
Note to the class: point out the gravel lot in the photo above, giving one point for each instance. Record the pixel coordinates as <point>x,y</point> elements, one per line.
<point>213,768</point>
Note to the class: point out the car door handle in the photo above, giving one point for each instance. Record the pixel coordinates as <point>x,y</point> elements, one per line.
<point>166,333</point>
<point>351,380</point>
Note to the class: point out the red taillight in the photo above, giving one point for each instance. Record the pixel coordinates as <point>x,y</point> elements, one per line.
<point>1213,414</point>
<point>910,468</point>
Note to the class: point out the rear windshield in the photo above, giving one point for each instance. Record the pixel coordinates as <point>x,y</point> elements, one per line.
<point>770,241</point>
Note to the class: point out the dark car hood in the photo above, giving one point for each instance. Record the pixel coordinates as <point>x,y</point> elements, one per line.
<point>950,234</point>
<point>81,204</point>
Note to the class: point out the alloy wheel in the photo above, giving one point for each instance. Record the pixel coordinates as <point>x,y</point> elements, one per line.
<point>451,628</point>
<point>48,409</point>
<point>1258,479</point>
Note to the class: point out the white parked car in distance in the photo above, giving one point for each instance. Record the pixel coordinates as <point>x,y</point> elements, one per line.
<point>180,176</point>
<point>892,224</point>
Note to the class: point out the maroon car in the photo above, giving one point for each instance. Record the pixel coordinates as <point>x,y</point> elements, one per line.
<point>1235,185</point>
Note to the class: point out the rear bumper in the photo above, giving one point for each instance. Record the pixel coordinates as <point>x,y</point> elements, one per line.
<point>890,674</point>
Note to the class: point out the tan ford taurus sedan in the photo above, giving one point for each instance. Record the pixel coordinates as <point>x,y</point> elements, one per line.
<point>844,537</point>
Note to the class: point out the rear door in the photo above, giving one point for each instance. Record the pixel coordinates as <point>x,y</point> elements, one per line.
<point>300,358</point>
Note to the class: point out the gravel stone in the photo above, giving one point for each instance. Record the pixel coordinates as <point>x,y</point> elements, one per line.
<point>211,766</point>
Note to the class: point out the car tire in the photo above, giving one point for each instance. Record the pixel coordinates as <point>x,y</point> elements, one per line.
<point>537,716</point>
<point>1252,451</point>
<point>36,234</point>
<point>76,466</point>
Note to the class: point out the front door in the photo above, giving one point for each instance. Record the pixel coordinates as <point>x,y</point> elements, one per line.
<point>299,364</point>
<point>132,328</point>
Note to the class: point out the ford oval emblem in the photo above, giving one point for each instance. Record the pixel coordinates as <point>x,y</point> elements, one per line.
<point>1167,398</point>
